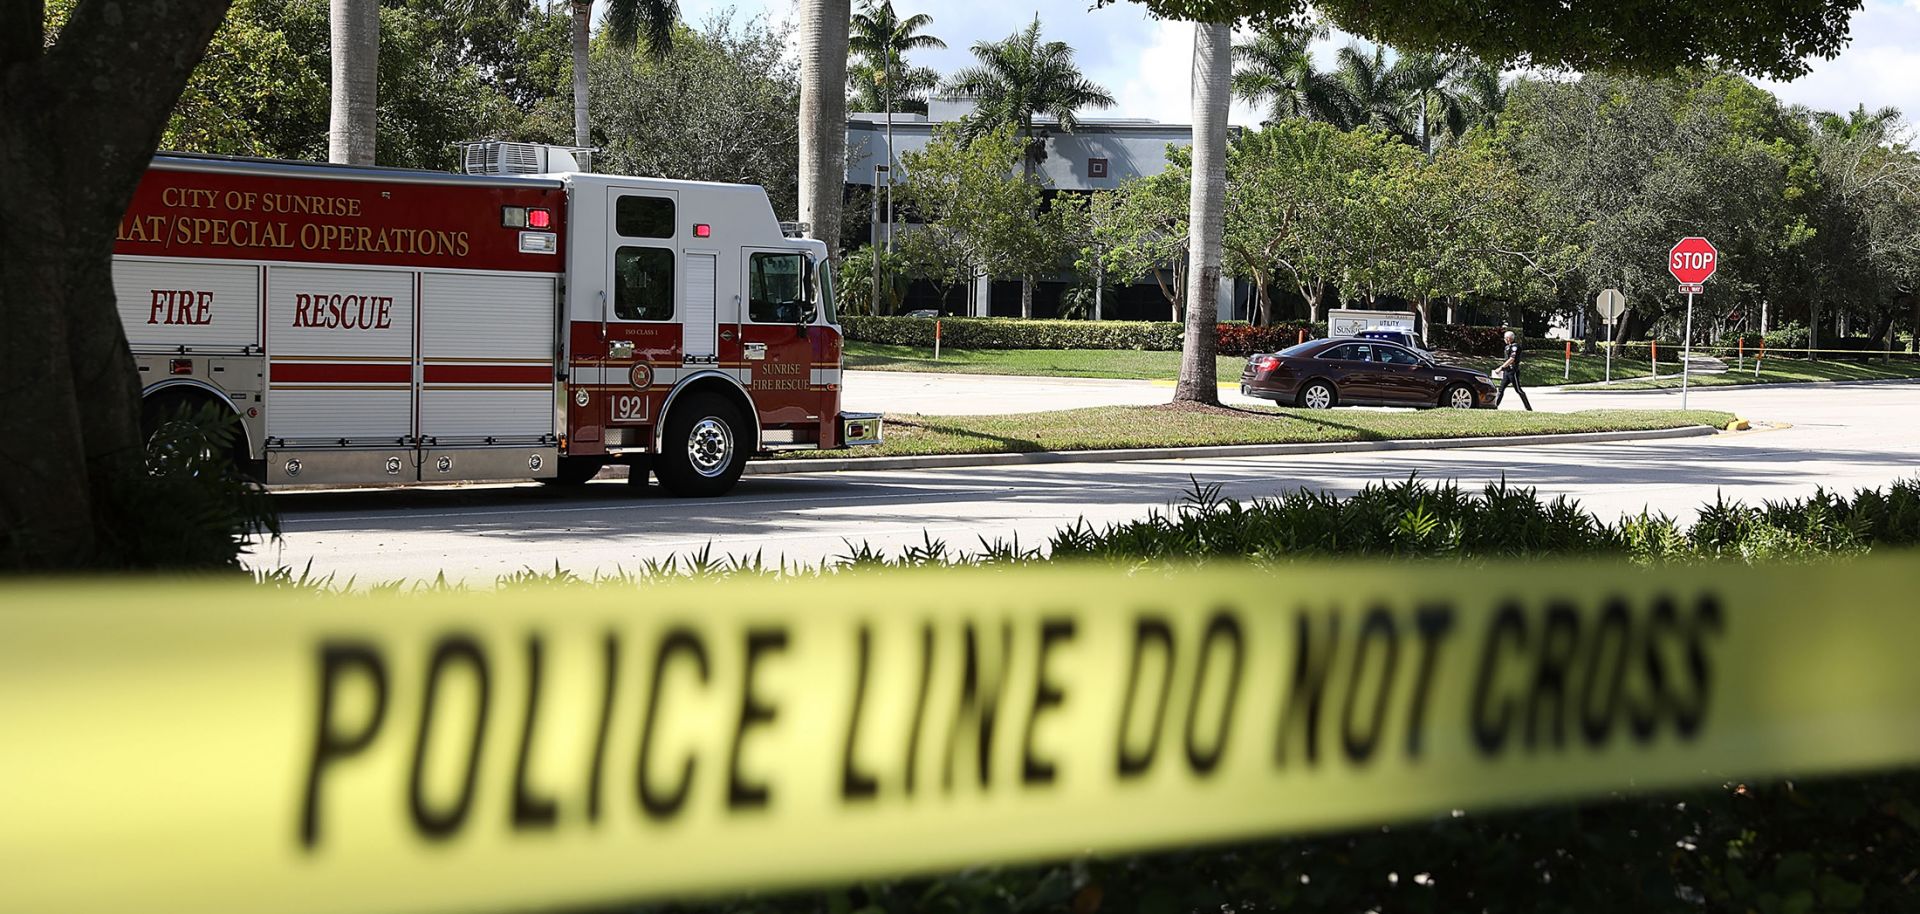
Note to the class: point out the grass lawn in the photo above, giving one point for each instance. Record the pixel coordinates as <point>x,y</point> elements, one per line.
<point>1057,363</point>
<point>1167,426</point>
<point>1784,371</point>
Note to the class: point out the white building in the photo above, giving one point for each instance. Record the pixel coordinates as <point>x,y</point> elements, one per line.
<point>1098,155</point>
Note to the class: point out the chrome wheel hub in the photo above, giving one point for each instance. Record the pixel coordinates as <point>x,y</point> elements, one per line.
<point>710,447</point>
<point>1461,398</point>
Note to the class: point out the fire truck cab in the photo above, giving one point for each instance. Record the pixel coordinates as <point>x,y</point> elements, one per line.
<point>376,325</point>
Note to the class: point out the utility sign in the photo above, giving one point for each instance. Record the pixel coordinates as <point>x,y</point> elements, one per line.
<point>1692,262</point>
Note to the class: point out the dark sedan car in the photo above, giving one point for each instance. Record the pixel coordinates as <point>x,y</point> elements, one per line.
<point>1322,374</point>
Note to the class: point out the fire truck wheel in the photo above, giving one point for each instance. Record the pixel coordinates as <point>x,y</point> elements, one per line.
<point>575,471</point>
<point>702,454</point>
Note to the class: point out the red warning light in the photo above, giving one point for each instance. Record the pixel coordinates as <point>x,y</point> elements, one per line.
<point>702,230</point>
<point>539,218</point>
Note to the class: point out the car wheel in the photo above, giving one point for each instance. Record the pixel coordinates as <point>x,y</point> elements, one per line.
<point>1317,395</point>
<point>703,453</point>
<point>1459,396</point>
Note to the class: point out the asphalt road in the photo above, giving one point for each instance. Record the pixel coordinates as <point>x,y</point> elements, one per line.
<point>1841,437</point>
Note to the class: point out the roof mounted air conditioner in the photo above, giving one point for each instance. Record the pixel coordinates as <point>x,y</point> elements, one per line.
<point>500,157</point>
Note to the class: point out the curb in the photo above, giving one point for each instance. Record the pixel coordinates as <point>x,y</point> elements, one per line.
<point>943,461</point>
<point>1787,384</point>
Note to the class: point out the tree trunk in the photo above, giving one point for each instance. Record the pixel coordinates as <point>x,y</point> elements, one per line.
<point>1026,296</point>
<point>355,59</point>
<point>582,48</point>
<point>69,395</point>
<point>1212,68</point>
<point>823,116</point>
<point>1266,301</point>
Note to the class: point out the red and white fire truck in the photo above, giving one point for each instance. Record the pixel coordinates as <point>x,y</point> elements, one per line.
<point>388,325</point>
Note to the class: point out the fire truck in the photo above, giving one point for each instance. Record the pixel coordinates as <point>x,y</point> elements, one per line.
<point>524,319</point>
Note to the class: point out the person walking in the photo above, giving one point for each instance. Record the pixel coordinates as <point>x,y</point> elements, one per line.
<point>1509,371</point>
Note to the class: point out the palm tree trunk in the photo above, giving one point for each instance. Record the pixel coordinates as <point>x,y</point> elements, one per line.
<point>582,44</point>
<point>356,81</point>
<point>1026,296</point>
<point>1212,69</point>
<point>823,115</point>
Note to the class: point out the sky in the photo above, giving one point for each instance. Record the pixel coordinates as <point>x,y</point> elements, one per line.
<point>1145,63</point>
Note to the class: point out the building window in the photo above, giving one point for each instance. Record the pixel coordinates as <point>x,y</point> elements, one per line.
<point>1096,168</point>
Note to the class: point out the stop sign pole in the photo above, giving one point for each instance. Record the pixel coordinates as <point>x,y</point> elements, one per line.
<point>1693,261</point>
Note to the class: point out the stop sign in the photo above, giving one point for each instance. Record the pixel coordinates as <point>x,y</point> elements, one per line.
<point>1693,261</point>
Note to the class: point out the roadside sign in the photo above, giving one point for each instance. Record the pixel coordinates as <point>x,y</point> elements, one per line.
<point>1611,304</point>
<point>1693,262</point>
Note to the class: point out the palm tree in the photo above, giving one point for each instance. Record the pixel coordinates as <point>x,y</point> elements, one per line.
<point>355,61</point>
<point>1858,124</point>
<point>1483,92</point>
<point>626,20</point>
<point>1018,80</point>
<point>867,85</point>
<point>1276,69</point>
<point>1454,91</point>
<point>1370,96</point>
<point>823,115</point>
<point>1021,78</point>
<point>882,39</point>
<point>1207,192</point>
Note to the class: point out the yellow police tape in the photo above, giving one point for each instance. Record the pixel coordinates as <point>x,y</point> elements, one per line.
<point>233,749</point>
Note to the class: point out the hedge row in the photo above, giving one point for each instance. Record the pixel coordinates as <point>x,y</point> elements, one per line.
<point>1013,333</point>
<point>1463,339</point>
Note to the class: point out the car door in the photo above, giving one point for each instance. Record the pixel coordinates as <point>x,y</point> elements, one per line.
<point>1354,372</point>
<point>1403,380</point>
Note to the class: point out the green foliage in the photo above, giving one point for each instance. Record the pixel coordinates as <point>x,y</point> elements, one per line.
<point>1010,333</point>
<point>1019,78</point>
<point>1415,520</point>
<point>980,217</point>
<point>878,75</point>
<point>190,510</point>
<point>1013,333</point>
<point>1771,38</point>
<point>449,72</point>
<point>855,288</point>
<point>722,105</point>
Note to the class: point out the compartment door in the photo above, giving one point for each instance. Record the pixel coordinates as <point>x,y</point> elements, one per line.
<point>487,353</point>
<point>341,369</point>
<point>699,343</point>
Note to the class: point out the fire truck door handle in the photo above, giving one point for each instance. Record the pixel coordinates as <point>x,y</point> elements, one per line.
<point>603,314</point>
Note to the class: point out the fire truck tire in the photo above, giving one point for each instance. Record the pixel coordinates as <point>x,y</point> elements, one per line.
<point>702,454</point>
<point>575,471</point>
